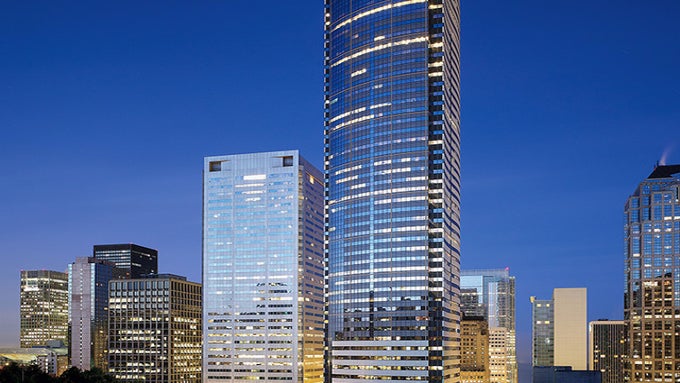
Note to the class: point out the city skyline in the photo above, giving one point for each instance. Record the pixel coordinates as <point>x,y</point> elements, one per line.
<point>533,161</point>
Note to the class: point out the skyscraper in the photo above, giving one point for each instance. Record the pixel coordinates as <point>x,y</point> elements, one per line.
<point>263,272</point>
<point>392,152</point>
<point>154,332</point>
<point>491,294</point>
<point>607,349</point>
<point>137,261</point>
<point>542,332</point>
<point>88,282</point>
<point>652,299</point>
<point>44,307</point>
<point>559,329</point>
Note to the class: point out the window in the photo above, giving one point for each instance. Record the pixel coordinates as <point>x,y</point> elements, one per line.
<point>287,160</point>
<point>215,166</point>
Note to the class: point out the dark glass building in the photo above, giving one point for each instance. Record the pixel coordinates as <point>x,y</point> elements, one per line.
<point>607,349</point>
<point>652,299</point>
<point>392,189</point>
<point>137,261</point>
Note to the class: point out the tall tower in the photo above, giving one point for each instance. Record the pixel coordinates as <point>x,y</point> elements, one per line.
<point>263,280</point>
<point>88,299</point>
<point>491,294</point>
<point>44,307</point>
<point>652,299</point>
<point>392,167</point>
<point>560,329</point>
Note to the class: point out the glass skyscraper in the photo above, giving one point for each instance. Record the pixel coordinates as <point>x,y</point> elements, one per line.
<point>491,294</point>
<point>392,189</point>
<point>652,299</point>
<point>263,272</point>
<point>137,261</point>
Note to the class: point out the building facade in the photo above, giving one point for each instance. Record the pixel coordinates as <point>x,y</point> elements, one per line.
<point>263,271</point>
<point>499,360</point>
<point>607,349</point>
<point>563,374</point>
<point>474,350</point>
<point>542,332</point>
<point>43,307</point>
<point>137,261</point>
<point>491,294</point>
<point>392,167</point>
<point>652,299</point>
<point>88,282</point>
<point>154,331</point>
<point>559,329</point>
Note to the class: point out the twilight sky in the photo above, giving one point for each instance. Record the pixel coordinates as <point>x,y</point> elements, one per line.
<point>106,111</point>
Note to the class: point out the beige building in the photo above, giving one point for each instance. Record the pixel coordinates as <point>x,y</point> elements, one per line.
<point>499,355</point>
<point>571,328</point>
<point>474,350</point>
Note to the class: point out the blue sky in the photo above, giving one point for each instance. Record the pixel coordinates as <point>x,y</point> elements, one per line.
<point>106,111</point>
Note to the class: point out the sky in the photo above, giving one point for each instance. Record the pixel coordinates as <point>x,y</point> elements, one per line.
<point>108,108</point>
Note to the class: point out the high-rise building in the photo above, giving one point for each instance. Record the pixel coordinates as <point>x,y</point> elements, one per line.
<point>491,294</point>
<point>474,350</point>
<point>652,299</point>
<point>44,307</point>
<point>263,271</point>
<point>560,329</point>
<point>607,349</point>
<point>154,332</point>
<point>392,166</point>
<point>88,282</point>
<point>499,358</point>
<point>137,261</point>
<point>542,332</point>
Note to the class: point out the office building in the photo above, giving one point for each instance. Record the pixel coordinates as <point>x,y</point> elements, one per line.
<point>43,307</point>
<point>88,281</point>
<point>154,331</point>
<point>560,329</point>
<point>542,332</point>
<point>607,349</point>
<point>51,358</point>
<point>652,298</point>
<point>491,294</point>
<point>263,271</point>
<point>392,166</point>
<point>474,350</point>
<point>137,261</point>
<point>564,374</point>
<point>499,365</point>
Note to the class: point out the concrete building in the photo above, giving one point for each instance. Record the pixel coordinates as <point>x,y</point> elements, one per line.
<point>560,329</point>
<point>154,330</point>
<point>652,298</point>
<point>88,281</point>
<point>263,269</point>
<point>607,349</point>
<point>474,350</point>
<point>43,307</point>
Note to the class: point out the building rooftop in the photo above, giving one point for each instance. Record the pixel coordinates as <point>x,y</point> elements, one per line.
<point>665,171</point>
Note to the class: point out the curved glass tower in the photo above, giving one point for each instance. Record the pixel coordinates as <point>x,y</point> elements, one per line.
<point>393,189</point>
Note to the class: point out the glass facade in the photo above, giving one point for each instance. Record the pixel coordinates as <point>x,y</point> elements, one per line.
<point>154,332</point>
<point>491,294</point>
<point>543,332</point>
<point>263,280</point>
<point>392,189</point>
<point>44,307</point>
<point>652,300</point>
<point>137,261</point>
